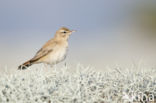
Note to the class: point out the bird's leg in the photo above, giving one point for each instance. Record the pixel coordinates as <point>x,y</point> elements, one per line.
<point>65,64</point>
<point>51,65</point>
<point>45,65</point>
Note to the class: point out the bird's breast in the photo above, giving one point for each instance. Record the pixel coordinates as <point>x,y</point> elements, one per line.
<point>58,55</point>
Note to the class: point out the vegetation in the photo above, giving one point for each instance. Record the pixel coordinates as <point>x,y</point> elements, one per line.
<point>132,85</point>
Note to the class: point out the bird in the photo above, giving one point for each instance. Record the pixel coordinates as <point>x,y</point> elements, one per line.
<point>53,51</point>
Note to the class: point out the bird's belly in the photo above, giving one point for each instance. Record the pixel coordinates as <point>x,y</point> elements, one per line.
<point>58,56</point>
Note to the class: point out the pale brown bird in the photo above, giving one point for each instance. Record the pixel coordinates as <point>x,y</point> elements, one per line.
<point>53,52</point>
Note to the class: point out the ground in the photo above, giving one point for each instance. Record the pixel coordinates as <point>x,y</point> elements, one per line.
<point>85,85</point>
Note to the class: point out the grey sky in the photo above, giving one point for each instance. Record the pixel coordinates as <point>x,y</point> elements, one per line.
<point>26,24</point>
<point>51,14</point>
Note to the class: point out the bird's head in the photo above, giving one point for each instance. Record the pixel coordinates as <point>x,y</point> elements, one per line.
<point>63,33</point>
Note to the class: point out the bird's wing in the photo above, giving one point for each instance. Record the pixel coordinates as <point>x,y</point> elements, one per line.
<point>46,49</point>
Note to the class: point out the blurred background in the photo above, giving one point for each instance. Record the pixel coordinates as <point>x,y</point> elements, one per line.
<point>109,32</point>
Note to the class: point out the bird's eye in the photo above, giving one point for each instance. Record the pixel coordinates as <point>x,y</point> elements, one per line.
<point>64,32</point>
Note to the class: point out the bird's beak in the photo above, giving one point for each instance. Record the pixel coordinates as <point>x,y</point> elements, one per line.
<point>73,31</point>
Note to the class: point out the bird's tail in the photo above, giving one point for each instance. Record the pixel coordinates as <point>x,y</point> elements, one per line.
<point>25,65</point>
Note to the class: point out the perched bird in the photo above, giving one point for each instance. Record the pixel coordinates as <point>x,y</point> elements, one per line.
<point>53,51</point>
